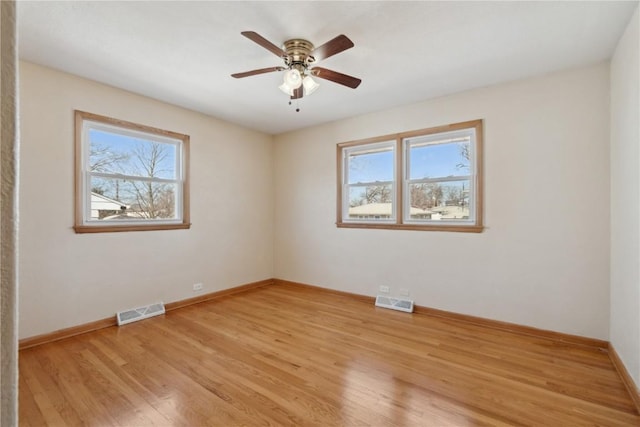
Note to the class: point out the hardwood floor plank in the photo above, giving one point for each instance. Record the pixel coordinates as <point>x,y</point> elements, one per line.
<point>506,367</point>
<point>285,355</point>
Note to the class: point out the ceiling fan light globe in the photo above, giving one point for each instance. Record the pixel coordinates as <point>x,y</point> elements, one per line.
<point>293,79</point>
<point>286,89</point>
<point>310,85</point>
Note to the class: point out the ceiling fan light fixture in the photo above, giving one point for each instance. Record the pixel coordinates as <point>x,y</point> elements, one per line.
<point>310,85</point>
<point>298,55</point>
<point>292,78</point>
<point>286,89</point>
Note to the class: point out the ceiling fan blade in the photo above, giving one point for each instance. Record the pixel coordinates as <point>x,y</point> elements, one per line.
<point>332,47</point>
<point>258,71</point>
<point>336,77</point>
<point>297,93</point>
<point>257,38</point>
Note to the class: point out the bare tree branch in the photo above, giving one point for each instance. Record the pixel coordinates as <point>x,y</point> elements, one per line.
<point>102,159</point>
<point>142,158</point>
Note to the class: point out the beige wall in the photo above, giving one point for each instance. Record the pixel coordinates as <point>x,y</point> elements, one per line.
<point>543,259</point>
<point>68,279</point>
<point>625,199</point>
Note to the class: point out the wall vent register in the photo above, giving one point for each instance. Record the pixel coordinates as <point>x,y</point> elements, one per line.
<point>399,304</point>
<point>140,313</point>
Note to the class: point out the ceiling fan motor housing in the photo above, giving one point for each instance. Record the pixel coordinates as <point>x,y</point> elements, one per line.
<point>298,53</point>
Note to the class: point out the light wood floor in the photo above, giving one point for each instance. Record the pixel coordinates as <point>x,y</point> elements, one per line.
<point>284,355</point>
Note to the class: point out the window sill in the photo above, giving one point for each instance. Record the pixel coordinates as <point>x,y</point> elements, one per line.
<point>79,229</point>
<point>414,227</point>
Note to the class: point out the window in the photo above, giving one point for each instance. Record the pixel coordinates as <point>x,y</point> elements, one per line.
<point>429,179</point>
<point>129,177</point>
<point>369,181</point>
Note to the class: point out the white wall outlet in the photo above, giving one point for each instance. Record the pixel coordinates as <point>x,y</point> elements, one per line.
<point>384,289</point>
<point>404,292</point>
<point>197,287</point>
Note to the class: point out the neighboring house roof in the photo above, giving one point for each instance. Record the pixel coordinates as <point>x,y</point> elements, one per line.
<point>127,215</point>
<point>371,209</point>
<point>452,212</point>
<point>384,209</point>
<point>104,203</point>
<point>381,209</point>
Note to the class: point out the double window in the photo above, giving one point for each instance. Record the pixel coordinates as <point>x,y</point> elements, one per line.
<point>129,177</point>
<point>429,179</point>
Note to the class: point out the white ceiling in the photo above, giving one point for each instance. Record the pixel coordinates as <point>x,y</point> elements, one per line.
<point>183,52</point>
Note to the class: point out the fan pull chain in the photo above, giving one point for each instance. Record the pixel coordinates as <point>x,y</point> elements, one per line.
<point>297,106</point>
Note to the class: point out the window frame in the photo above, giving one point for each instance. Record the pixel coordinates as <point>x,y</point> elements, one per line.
<point>85,121</point>
<point>377,146</point>
<point>400,186</point>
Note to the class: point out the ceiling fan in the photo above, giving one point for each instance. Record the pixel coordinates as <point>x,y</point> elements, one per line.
<point>299,55</point>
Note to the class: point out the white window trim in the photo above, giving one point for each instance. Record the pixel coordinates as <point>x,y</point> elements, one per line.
<point>391,144</point>
<point>440,138</point>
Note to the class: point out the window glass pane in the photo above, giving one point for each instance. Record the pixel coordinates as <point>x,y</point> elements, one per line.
<point>371,166</point>
<point>439,160</point>
<point>440,200</point>
<point>118,199</point>
<point>121,154</point>
<point>370,202</point>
